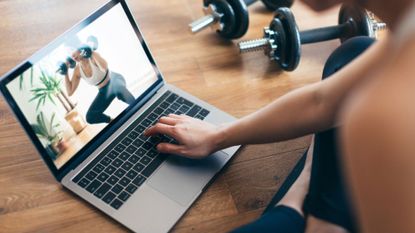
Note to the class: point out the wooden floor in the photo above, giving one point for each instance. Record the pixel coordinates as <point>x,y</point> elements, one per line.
<point>204,65</point>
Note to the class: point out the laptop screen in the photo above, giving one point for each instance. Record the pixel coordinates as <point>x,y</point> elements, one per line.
<point>74,91</point>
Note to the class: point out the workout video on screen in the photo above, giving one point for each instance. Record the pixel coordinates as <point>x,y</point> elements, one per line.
<point>75,91</point>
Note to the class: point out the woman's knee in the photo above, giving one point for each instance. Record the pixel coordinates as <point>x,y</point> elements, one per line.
<point>345,53</point>
<point>90,117</point>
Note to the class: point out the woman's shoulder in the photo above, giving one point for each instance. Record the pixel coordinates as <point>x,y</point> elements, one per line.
<point>383,107</point>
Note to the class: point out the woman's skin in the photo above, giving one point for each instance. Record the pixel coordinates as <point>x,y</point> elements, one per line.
<point>72,84</point>
<point>371,99</point>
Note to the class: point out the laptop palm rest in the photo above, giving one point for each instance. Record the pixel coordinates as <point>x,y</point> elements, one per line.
<point>182,179</point>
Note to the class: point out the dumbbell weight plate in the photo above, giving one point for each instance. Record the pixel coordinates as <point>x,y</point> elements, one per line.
<point>241,18</point>
<point>228,19</point>
<point>289,44</point>
<point>361,25</point>
<point>275,4</point>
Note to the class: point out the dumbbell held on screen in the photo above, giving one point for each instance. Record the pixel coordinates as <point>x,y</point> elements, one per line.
<point>229,18</point>
<point>282,40</point>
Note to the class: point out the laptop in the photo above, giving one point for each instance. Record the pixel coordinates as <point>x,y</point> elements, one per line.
<point>86,99</point>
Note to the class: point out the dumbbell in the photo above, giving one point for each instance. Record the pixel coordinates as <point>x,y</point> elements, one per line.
<point>282,40</point>
<point>63,66</point>
<point>230,17</point>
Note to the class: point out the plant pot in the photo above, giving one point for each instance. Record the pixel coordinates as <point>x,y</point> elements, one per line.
<point>76,121</point>
<point>60,146</point>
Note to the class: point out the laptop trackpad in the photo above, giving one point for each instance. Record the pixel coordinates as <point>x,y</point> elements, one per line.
<point>181,179</point>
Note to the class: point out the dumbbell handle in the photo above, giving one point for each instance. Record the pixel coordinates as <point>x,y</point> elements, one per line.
<point>324,34</point>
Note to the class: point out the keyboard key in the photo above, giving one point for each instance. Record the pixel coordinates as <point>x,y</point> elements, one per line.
<point>175,106</point>
<point>117,189</point>
<point>103,177</point>
<point>119,148</point>
<point>116,204</point>
<point>133,159</point>
<point>91,175</point>
<point>131,174</point>
<point>204,112</point>
<point>153,117</point>
<point>102,190</point>
<point>171,98</point>
<point>113,180</point>
<point>194,110</point>
<point>154,140</point>
<point>145,160</point>
<point>164,105</point>
<point>140,152</point>
<point>184,109</point>
<point>98,168</point>
<point>124,181</point>
<point>139,180</point>
<point>127,166</point>
<point>138,142</point>
<point>124,156</point>
<point>153,166</point>
<point>184,101</point>
<point>124,196</point>
<point>110,169</point>
<point>152,153</point>
<point>109,197</point>
<point>169,111</point>
<point>199,117</point>
<point>93,186</point>
<point>131,149</point>
<point>138,167</point>
<point>133,134</point>
<point>131,188</point>
<point>140,129</point>
<point>105,161</point>
<point>146,123</point>
<point>113,154</point>
<point>142,137</point>
<point>147,145</point>
<point>126,141</point>
<point>120,172</point>
<point>117,162</point>
<point>158,111</point>
<point>83,182</point>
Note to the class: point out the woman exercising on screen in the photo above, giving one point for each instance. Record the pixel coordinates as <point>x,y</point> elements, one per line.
<point>93,69</point>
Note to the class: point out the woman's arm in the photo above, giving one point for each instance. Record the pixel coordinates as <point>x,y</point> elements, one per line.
<point>306,110</point>
<point>102,62</point>
<point>72,84</point>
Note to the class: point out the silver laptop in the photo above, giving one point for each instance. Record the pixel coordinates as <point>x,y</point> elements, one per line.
<point>85,101</point>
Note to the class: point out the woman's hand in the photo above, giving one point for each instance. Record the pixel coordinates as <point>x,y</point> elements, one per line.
<point>196,138</point>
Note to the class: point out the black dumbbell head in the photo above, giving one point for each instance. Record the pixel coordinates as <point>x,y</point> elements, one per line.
<point>275,4</point>
<point>235,9</point>
<point>71,62</point>
<point>288,39</point>
<point>358,17</point>
<point>62,68</point>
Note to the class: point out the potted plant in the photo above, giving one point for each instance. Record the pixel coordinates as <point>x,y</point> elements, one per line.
<point>48,131</point>
<point>51,89</point>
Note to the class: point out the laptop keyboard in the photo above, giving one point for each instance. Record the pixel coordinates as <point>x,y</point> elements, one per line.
<point>115,174</point>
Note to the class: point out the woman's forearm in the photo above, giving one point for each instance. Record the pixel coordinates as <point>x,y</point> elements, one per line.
<point>298,113</point>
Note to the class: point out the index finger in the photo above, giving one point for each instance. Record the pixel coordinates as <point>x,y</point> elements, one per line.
<point>159,128</point>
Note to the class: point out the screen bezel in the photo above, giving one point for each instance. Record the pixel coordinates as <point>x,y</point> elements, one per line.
<point>91,146</point>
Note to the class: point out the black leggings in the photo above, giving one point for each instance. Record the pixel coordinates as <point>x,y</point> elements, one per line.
<point>115,88</point>
<point>327,197</point>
